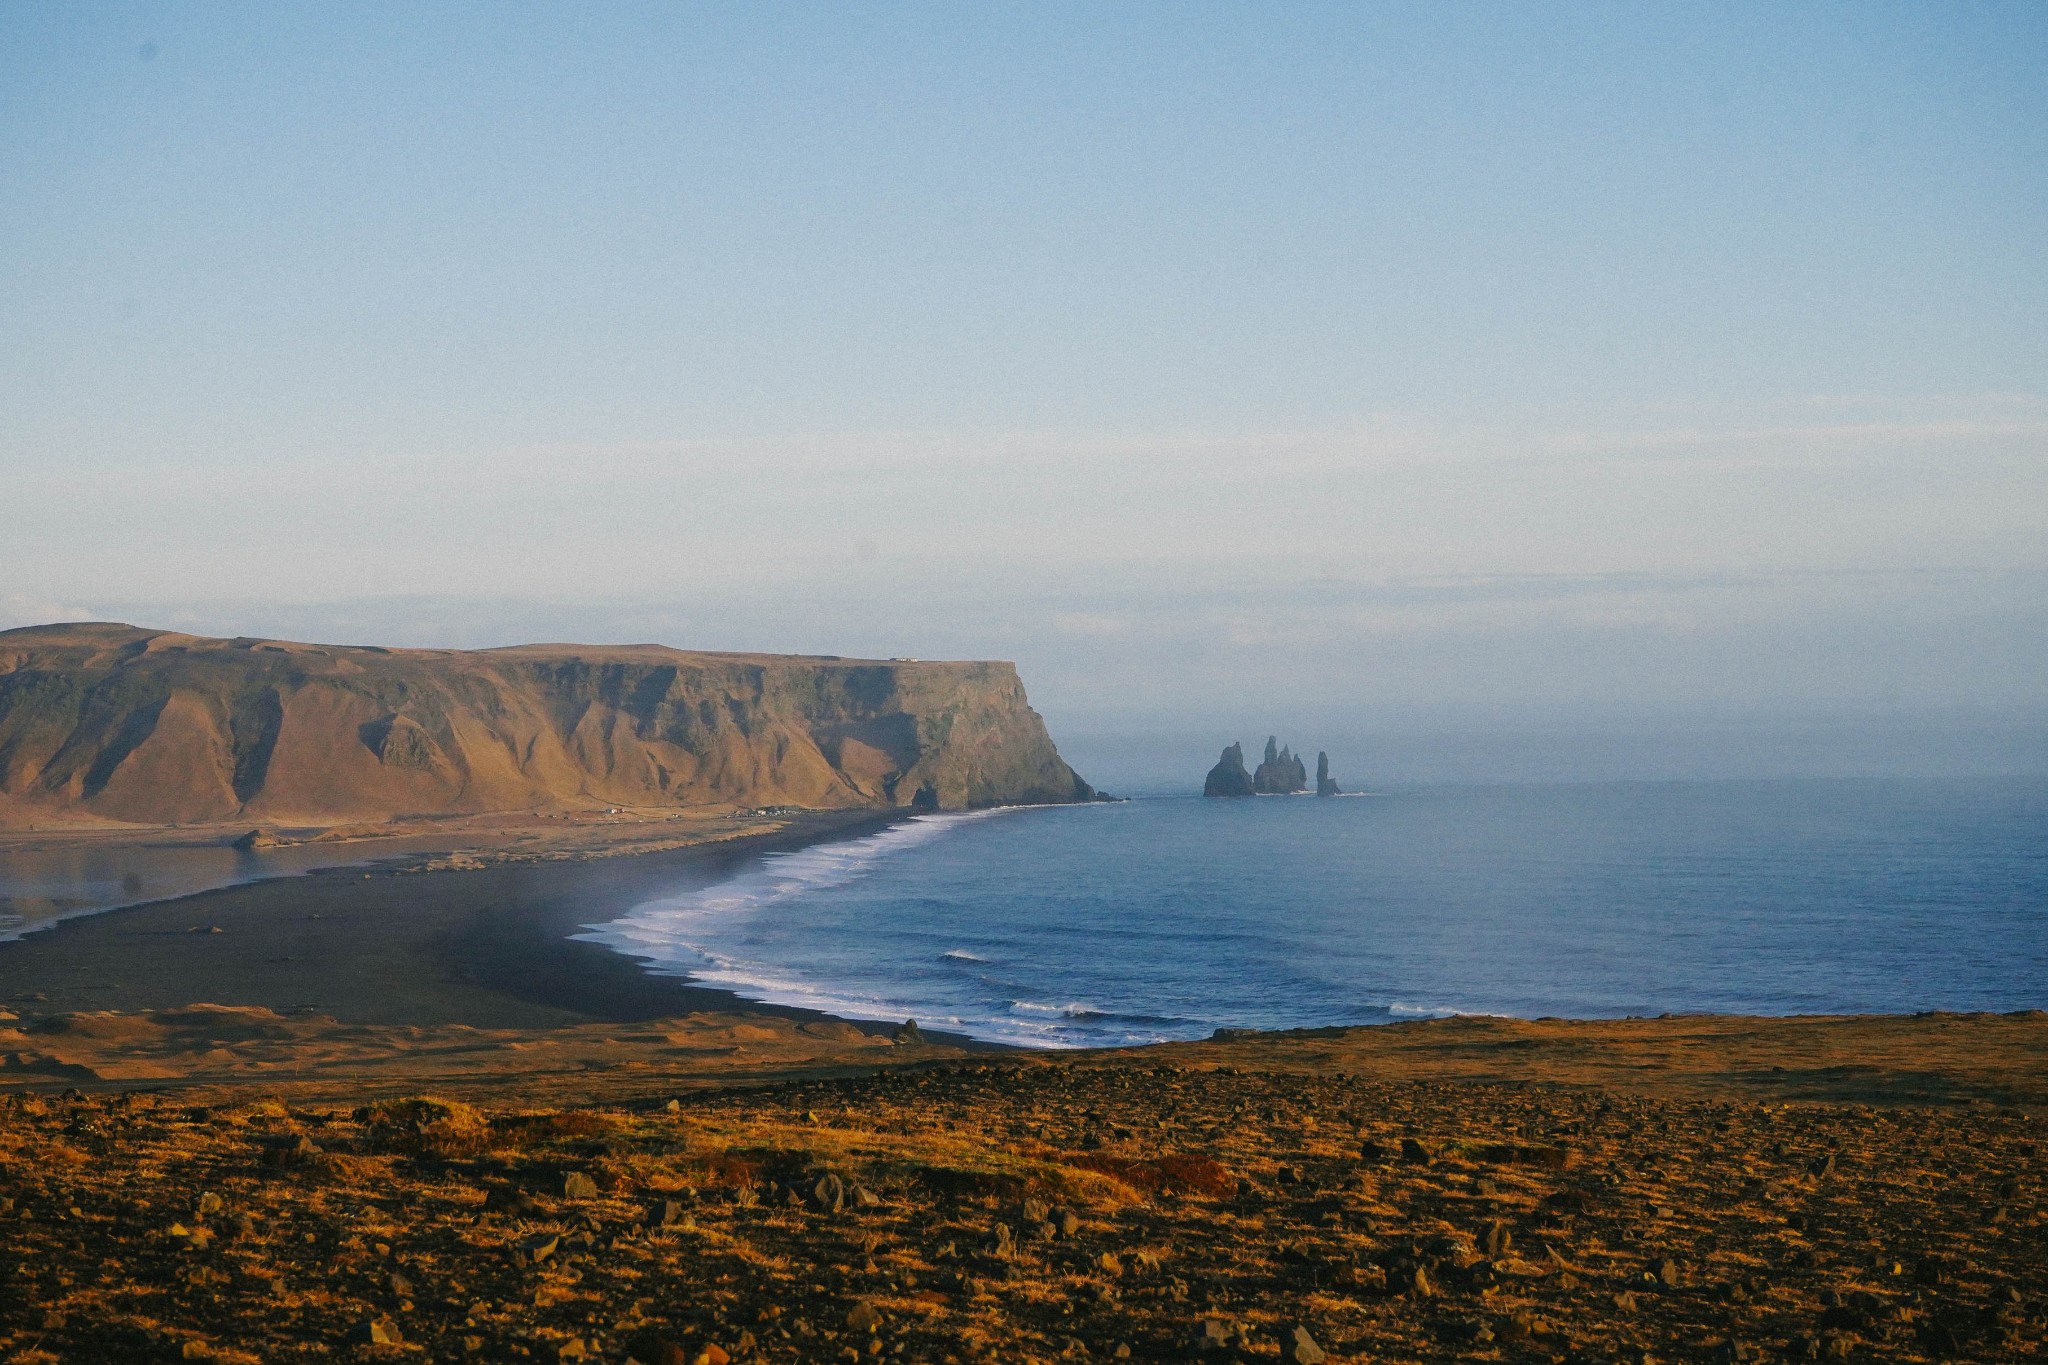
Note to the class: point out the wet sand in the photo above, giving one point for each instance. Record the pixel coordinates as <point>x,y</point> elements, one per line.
<point>479,946</point>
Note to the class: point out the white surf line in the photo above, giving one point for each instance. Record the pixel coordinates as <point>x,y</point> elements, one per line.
<point>661,931</point>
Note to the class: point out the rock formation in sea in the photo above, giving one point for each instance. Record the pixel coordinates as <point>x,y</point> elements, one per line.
<point>1228,777</point>
<point>1280,773</point>
<point>1326,785</point>
<point>108,723</point>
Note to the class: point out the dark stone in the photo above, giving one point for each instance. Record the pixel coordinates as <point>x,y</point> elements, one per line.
<point>510,1199</point>
<point>376,1332</point>
<point>1280,773</point>
<point>291,1152</point>
<point>1299,1346</point>
<point>1228,777</point>
<point>1325,784</point>
<point>909,1035</point>
<point>535,1249</point>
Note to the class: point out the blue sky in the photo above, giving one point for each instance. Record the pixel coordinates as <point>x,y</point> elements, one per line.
<point>1472,365</point>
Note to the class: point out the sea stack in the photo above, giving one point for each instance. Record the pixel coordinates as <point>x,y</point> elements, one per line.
<point>1325,784</point>
<point>1281,773</point>
<point>1228,777</point>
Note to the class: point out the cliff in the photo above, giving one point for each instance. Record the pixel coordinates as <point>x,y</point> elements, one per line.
<point>102,722</point>
<point>1326,785</point>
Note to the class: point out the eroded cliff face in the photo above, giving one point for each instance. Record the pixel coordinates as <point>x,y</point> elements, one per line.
<point>109,722</point>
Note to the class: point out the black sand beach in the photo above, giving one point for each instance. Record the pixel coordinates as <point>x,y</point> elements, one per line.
<point>485,947</point>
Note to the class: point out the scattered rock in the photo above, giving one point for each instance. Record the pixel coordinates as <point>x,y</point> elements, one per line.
<point>908,1034</point>
<point>535,1249</point>
<point>968,1152</point>
<point>509,1199</point>
<point>1299,1346</point>
<point>197,1238</point>
<point>577,1185</point>
<point>1414,1150</point>
<point>291,1151</point>
<point>1410,1280</point>
<point>376,1332</point>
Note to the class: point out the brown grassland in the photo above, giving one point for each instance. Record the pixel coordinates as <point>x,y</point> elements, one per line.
<point>1696,1189</point>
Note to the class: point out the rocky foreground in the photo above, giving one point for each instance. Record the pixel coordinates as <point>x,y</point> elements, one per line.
<point>1164,1205</point>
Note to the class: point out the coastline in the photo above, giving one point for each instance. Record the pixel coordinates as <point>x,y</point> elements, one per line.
<point>481,946</point>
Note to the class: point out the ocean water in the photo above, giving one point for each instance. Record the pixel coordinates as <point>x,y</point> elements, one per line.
<point>1169,917</point>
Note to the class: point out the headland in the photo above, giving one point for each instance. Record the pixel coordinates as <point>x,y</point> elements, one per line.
<point>110,726</point>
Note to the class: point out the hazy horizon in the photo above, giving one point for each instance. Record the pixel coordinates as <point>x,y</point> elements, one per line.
<point>1581,392</point>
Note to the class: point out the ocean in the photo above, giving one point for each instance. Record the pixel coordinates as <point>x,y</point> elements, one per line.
<point>1169,917</point>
